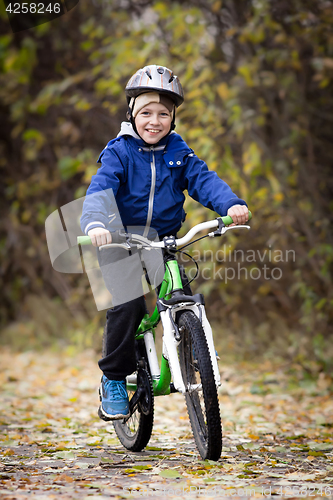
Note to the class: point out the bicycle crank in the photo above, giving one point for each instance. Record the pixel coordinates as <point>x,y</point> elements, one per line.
<point>143,396</point>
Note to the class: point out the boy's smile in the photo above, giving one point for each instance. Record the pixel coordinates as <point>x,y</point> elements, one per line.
<point>153,122</point>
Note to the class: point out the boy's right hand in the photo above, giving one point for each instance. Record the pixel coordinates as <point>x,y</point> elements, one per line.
<point>100,236</point>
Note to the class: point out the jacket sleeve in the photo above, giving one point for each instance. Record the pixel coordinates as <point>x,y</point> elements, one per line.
<point>99,207</point>
<point>205,186</point>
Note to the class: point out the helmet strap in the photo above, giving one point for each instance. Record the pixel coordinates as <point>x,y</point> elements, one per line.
<point>173,123</point>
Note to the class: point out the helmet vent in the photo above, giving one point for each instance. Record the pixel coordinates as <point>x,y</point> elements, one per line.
<point>148,73</point>
<point>160,71</point>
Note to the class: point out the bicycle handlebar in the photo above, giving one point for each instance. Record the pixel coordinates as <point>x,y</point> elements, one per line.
<point>212,224</point>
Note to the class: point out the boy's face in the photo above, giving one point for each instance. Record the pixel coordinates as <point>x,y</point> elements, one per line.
<point>153,122</point>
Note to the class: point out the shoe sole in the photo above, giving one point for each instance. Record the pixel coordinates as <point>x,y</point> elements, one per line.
<point>106,416</point>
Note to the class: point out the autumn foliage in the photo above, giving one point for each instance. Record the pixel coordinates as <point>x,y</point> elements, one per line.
<point>257,77</point>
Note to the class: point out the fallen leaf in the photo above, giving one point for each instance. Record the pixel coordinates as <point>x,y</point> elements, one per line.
<point>64,478</point>
<point>169,473</point>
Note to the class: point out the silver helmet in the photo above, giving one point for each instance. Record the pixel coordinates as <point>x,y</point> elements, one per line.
<point>158,78</point>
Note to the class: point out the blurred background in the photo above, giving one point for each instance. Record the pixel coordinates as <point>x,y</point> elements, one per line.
<point>257,77</point>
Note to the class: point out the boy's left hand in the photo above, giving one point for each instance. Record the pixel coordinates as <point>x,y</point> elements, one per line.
<point>239,214</point>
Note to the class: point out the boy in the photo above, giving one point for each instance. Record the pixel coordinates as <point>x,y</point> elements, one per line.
<point>148,166</point>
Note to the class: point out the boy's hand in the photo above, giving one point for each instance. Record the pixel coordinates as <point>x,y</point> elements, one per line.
<point>239,214</point>
<point>100,236</point>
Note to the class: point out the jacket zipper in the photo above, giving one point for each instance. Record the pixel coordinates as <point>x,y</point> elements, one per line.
<point>151,194</point>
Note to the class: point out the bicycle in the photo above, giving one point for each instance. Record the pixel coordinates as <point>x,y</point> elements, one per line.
<point>188,354</point>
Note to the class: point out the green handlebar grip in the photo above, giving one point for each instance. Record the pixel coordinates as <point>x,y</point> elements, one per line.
<point>83,240</point>
<point>227,220</point>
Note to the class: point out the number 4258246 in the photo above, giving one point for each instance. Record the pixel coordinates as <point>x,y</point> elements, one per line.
<point>33,8</point>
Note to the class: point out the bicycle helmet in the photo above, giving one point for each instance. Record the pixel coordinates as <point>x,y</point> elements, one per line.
<point>155,78</point>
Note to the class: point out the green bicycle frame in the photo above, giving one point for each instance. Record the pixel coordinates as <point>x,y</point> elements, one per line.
<point>172,280</point>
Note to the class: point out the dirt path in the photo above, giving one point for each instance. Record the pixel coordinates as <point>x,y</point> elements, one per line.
<point>278,436</point>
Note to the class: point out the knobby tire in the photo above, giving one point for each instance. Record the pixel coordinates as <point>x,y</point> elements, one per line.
<point>202,405</point>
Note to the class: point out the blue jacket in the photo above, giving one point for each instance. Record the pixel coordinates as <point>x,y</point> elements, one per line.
<point>138,185</point>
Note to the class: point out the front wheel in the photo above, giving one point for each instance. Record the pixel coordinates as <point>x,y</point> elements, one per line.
<point>201,396</point>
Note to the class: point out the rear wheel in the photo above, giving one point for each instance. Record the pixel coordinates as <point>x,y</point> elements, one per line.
<point>134,432</point>
<point>201,398</point>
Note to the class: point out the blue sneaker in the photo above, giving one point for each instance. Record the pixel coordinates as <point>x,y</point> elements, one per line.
<point>114,398</point>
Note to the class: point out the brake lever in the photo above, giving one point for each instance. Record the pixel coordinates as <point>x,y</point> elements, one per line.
<point>142,242</point>
<point>126,246</point>
<point>224,229</point>
<point>120,239</point>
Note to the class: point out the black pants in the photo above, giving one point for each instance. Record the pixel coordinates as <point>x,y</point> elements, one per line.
<point>122,321</point>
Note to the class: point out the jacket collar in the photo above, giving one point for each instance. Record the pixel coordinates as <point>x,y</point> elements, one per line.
<point>127,129</point>
<point>175,148</point>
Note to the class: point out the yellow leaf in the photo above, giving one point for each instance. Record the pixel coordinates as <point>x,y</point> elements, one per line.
<point>216,6</point>
<point>251,158</point>
<point>324,83</point>
<point>9,452</point>
<point>264,289</point>
<point>223,66</point>
<point>253,436</point>
<point>64,478</point>
<point>275,184</point>
<point>246,74</point>
<point>261,194</point>
<point>223,91</point>
<point>278,196</point>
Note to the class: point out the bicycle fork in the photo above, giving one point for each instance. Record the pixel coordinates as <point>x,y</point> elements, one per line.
<point>171,341</point>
